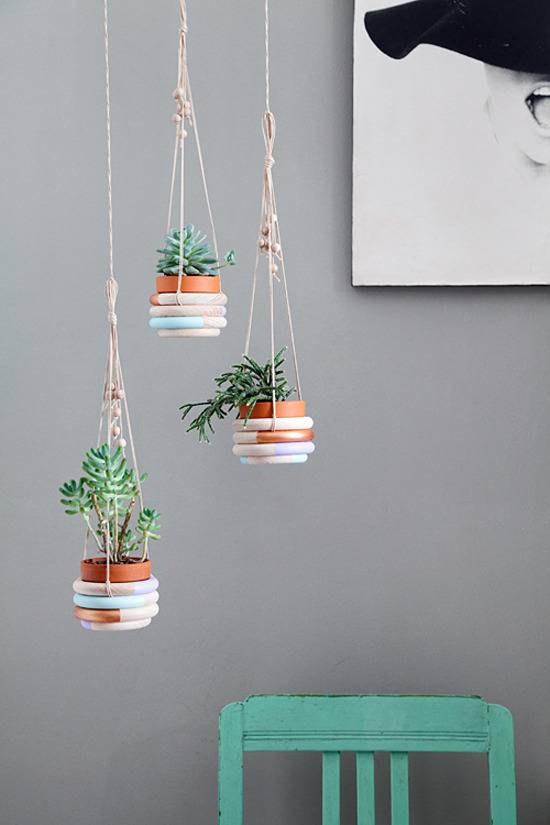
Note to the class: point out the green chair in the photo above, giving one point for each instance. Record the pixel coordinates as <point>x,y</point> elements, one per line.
<point>397,725</point>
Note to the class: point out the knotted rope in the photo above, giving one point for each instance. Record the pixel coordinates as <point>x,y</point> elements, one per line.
<point>185,115</point>
<point>269,242</point>
<point>111,416</point>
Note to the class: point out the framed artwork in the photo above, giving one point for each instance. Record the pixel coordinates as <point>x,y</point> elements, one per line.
<point>451,157</point>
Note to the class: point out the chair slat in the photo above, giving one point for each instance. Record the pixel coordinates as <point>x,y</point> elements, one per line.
<point>364,766</point>
<point>399,770</point>
<point>331,788</point>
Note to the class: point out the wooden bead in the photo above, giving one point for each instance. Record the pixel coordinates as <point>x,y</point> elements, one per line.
<point>121,442</point>
<point>120,393</point>
<point>178,93</point>
<point>115,431</point>
<point>176,118</point>
<point>274,269</point>
<point>275,248</point>
<point>117,412</point>
<point>265,230</point>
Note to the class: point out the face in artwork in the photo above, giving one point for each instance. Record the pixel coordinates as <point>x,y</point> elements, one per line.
<point>519,110</point>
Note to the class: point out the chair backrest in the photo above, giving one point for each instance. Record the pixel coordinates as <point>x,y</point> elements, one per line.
<point>397,725</point>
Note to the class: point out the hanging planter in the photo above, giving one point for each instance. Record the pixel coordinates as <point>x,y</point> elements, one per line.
<point>266,431</point>
<point>271,426</point>
<point>115,590</point>
<point>188,302</point>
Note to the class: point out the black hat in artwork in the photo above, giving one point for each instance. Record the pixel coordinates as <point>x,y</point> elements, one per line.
<point>512,34</point>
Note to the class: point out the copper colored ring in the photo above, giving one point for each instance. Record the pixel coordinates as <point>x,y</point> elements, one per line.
<point>278,436</point>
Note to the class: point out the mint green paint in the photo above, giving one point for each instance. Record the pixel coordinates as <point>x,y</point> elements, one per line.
<point>398,725</point>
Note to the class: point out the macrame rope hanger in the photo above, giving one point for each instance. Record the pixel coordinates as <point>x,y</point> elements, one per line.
<point>270,243</point>
<point>185,117</point>
<point>113,400</point>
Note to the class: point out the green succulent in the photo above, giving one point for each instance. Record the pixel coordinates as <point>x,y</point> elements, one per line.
<point>245,383</point>
<point>199,257</point>
<point>105,497</point>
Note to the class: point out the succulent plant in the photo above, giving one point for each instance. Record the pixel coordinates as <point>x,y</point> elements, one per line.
<point>198,256</point>
<point>108,490</point>
<point>245,383</point>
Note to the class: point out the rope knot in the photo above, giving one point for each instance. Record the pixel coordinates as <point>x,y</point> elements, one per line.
<point>269,162</point>
<point>111,317</point>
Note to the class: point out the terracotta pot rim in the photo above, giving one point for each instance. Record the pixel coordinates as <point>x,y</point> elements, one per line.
<point>291,408</point>
<point>95,570</point>
<point>189,283</point>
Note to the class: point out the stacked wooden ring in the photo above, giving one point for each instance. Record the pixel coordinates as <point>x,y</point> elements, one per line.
<point>285,439</point>
<point>131,603</point>
<point>196,311</point>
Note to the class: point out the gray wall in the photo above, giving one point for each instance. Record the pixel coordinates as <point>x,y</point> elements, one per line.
<point>409,555</point>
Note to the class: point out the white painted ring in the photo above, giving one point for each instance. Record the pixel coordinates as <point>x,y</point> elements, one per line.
<point>117,588</point>
<point>188,333</point>
<point>189,298</point>
<point>108,626</point>
<point>195,309</point>
<point>273,459</point>
<point>305,423</point>
<point>286,448</point>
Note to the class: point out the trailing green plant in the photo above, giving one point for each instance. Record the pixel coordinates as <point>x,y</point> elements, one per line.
<point>199,257</point>
<point>245,383</point>
<point>105,497</point>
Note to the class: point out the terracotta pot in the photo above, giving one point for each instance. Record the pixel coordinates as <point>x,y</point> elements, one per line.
<point>95,570</point>
<point>284,409</point>
<point>189,283</point>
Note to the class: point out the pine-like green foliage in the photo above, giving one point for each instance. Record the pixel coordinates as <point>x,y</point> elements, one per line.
<point>198,256</point>
<point>245,383</point>
<point>106,494</point>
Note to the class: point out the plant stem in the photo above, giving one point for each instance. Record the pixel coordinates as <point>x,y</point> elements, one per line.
<point>103,523</point>
<point>125,524</point>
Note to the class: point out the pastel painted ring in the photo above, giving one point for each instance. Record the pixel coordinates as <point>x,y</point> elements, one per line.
<point>190,322</point>
<point>188,299</point>
<point>188,333</point>
<point>241,426</point>
<point>196,309</point>
<point>273,459</point>
<point>286,448</point>
<point>117,589</point>
<point>125,614</point>
<point>109,602</point>
<point>273,436</point>
<point>137,625</point>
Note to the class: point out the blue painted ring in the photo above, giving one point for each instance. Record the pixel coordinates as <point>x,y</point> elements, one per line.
<point>177,322</point>
<point>110,602</point>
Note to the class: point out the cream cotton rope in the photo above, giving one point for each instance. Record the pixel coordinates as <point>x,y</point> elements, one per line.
<point>185,116</point>
<point>269,242</point>
<point>113,401</point>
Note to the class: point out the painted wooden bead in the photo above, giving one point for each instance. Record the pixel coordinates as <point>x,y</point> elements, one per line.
<point>128,614</point>
<point>117,588</point>
<point>188,298</point>
<point>177,322</point>
<point>194,310</point>
<point>305,423</point>
<point>111,602</point>
<point>273,437</point>
<point>282,448</point>
<point>274,459</point>
<point>137,625</point>
<point>206,332</point>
